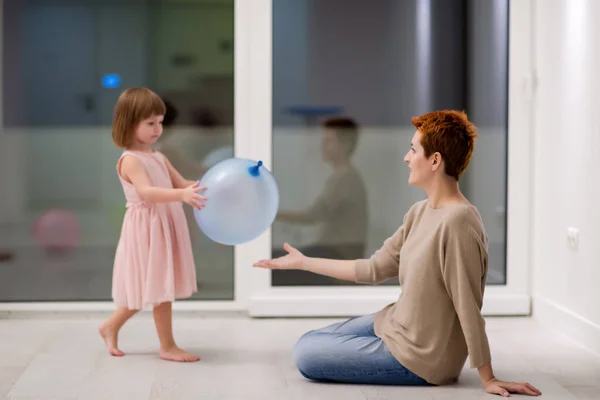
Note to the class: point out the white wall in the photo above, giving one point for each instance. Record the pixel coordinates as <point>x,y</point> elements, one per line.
<point>566,173</point>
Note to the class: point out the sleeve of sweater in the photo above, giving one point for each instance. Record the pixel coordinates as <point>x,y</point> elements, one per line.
<point>464,271</point>
<point>385,262</point>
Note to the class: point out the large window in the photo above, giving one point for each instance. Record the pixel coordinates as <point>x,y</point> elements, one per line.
<point>64,64</point>
<point>379,63</point>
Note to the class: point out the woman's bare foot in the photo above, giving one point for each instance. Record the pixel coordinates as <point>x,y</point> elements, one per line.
<point>176,354</point>
<point>110,335</point>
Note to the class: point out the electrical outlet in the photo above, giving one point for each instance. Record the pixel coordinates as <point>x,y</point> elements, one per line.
<point>573,238</point>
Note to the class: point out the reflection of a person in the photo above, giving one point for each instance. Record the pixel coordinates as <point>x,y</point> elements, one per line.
<point>183,164</point>
<point>174,155</point>
<point>341,208</point>
<point>179,161</point>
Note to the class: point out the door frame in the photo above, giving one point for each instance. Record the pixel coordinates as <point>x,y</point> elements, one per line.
<point>245,126</point>
<point>262,300</point>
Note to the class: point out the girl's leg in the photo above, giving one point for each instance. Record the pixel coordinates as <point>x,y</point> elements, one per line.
<point>163,319</point>
<point>109,330</point>
<point>349,352</point>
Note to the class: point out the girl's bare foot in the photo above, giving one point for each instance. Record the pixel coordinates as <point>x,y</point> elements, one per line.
<point>176,354</point>
<point>110,335</point>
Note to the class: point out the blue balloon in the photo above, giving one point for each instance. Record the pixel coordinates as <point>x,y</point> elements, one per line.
<point>243,198</point>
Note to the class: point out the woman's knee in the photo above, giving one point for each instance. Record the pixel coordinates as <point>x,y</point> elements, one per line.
<point>307,355</point>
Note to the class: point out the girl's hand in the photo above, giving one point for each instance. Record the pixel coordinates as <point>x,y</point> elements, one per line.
<point>293,260</point>
<point>501,388</point>
<point>190,195</point>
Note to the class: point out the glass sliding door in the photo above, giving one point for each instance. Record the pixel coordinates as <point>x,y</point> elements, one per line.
<point>345,79</point>
<point>65,62</point>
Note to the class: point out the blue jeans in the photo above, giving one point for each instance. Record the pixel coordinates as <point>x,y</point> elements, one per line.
<point>349,352</point>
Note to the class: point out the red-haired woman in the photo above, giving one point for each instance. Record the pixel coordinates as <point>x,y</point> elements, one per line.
<point>440,256</point>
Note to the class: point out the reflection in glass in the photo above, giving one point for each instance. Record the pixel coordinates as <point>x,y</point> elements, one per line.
<point>381,63</point>
<point>340,209</point>
<point>65,63</point>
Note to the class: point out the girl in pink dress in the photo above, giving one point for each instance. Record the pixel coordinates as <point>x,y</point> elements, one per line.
<point>153,263</point>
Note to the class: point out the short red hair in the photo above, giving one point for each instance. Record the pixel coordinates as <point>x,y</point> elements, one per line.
<point>451,134</point>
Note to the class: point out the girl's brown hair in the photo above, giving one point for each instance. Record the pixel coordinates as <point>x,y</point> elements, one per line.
<point>133,106</point>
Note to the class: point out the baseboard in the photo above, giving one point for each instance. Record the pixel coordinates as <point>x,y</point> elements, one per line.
<point>577,328</point>
<point>15,309</point>
<point>280,304</point>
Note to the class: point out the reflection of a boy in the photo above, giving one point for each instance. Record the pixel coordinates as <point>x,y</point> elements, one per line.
<point>340,209</point>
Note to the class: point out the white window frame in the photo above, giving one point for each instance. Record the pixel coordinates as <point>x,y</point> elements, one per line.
<point>514,298</point>
<point>253,139</point>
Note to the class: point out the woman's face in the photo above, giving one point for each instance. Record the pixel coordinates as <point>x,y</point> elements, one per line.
<point>421,168</point>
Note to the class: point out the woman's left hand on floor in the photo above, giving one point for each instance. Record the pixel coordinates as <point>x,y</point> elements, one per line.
<point>495,386</point>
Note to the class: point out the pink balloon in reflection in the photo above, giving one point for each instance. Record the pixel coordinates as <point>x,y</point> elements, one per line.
<point>57,230</point>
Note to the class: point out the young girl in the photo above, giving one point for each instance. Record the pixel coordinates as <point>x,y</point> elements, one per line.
<point>153,263</point>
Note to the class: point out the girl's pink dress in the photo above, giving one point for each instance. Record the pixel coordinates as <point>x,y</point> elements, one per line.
<point>154,262</point>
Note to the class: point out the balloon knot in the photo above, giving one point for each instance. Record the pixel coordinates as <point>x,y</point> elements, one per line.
<point>254,171</point>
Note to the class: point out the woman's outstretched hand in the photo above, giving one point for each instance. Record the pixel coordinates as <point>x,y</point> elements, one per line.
<point>501,388</point>
<point>293,260</point>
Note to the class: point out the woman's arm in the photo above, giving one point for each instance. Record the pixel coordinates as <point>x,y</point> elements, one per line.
<point>381,266</point>
<point>502,388</point>
<point>338,269</point>
<point>384,263</point>
<point>465,262</point>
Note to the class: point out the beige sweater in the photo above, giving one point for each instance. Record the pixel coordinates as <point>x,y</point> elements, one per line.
<point>440,257</point>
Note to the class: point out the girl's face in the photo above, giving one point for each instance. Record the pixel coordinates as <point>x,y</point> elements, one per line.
<point>149,130</point>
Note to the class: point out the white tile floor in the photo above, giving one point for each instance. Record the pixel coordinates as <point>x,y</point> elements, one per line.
<point>60,357</point>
